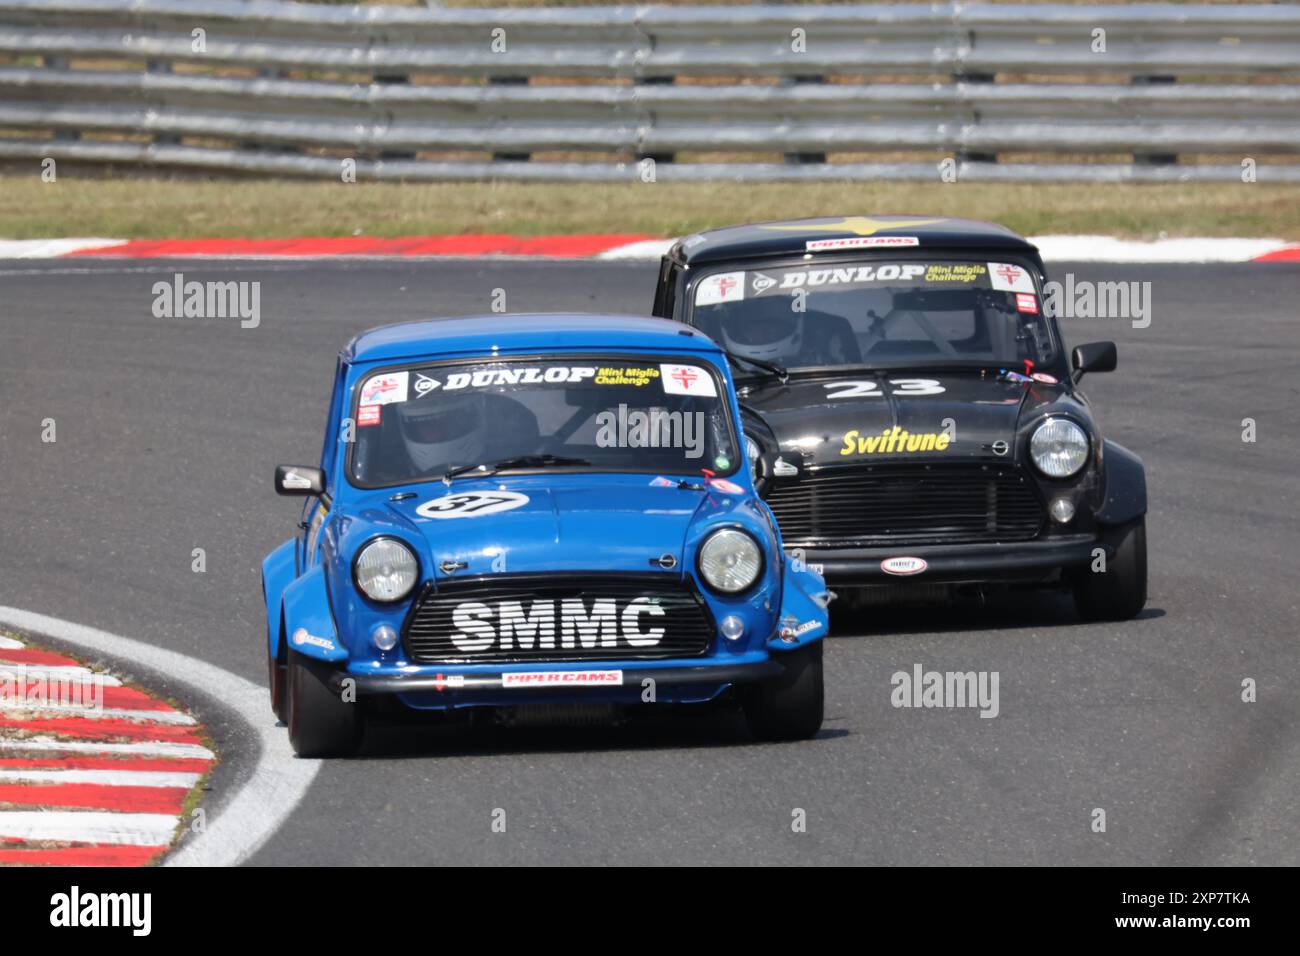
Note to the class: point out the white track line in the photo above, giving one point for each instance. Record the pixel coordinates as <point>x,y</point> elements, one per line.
<point>50,248</point>
<point>279,780</point>
<point>1110,249</point>
<point>88,826</point>
<point>9,644</point>
<point>173,717</point>
<point>103,778</point>
<point>158,748</point>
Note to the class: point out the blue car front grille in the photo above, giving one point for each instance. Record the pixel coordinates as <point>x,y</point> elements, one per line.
<point>545,617</point>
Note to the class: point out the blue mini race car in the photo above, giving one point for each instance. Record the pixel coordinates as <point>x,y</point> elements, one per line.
<point>535,510</point>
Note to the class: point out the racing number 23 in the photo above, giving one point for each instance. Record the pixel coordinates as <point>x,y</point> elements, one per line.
<point>902,386</point>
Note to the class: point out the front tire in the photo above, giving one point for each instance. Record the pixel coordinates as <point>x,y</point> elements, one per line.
<point>789,707</point>
<point>277,678</point>
<point>321,723</point>
<point>1119,592</point>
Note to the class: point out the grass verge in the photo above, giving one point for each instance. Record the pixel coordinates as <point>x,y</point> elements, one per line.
<point>194,208</point>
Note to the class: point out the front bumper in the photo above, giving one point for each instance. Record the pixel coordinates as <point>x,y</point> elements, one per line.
<point>959,563</point>
<point>493,682</point>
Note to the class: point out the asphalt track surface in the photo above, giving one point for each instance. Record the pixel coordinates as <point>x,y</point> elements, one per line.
<point>168,430</point>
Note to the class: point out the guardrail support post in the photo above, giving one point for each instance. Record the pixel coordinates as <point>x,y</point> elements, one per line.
<point>655,158</point>
<point>509,81</point>
<point>803,159</point>
<point>1154,159</point>
<point>966,155</point>
<point>60,135</point>
<point>395,79</point>
<point>162,66</point>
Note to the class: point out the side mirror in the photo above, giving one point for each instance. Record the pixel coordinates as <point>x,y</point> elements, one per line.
<point>1094,357</point>
<point>296,480</point>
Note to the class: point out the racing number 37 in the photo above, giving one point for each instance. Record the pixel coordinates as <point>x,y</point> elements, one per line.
<point>470,504</point>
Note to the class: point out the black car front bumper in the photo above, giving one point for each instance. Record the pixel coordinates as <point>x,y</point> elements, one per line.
<point>958,563</point>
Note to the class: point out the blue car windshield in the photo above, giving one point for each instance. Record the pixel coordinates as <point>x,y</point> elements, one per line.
<point>586,413</point>
<point>877,312</point>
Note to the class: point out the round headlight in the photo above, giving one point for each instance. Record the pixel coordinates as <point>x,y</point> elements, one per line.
<point>752,452</point>
<point>730,561</point>
<point>386,570</point>
<point>1059,447</point>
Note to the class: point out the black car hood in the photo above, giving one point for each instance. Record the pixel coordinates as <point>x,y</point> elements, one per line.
<point>811,415</point>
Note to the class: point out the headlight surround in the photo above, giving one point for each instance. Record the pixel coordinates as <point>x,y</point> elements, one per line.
<point>730,561</point>
<point>1059,448</point>
<point>385,570</point>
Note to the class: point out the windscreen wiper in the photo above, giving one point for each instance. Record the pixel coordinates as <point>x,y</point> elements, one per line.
<point>771,368</point>
<point>518,461</point>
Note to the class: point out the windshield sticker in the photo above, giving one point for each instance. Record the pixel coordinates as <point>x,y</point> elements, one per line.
<point>471,504</point>
<point>760,282</point>
<point>626,376</point>
<point>860,242</point>
<point>424,384</point>
<point>850,276</point>
<point>1026,302</point>
<point>893,441</point>
<point>687,380</point>
<point>723,287</point>
<point>368,415</point>
<point>490,377</point>
<point>955,272</point>
<point>1010,278</point>
<point>385,389</point>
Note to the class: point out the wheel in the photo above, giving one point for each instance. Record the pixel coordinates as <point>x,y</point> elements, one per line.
<point>277,679</point>
<point>1119,592</point>
<point>789,707</point>
<point>321,723</point>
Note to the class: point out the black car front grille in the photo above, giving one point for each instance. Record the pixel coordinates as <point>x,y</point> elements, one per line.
<point>886,505</point>
<point>568,618</point>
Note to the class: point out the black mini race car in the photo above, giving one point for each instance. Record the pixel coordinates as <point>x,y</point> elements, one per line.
<point>912,415</point>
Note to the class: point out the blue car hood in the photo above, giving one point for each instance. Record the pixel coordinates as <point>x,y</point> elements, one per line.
<point>569,522</point>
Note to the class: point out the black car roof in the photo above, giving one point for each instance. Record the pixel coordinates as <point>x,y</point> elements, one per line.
<point>790,237</point>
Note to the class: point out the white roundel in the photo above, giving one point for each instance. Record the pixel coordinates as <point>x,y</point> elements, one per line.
<point>903,565</point>
<point>471,504</point>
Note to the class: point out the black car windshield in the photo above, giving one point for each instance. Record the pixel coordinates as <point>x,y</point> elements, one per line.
<point>877,312</point>
<point>587,413</point>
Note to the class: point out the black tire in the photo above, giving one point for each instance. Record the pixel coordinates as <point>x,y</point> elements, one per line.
<point>1119,592</point>
<point>277,679</point>
<point>789,707</point>
<point>321,723</point>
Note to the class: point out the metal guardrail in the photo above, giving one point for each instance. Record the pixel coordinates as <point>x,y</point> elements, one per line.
<point>394,87</point>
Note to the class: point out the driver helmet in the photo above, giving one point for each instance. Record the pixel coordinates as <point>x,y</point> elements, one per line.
<point>770,331</point>
<point>444,433</point>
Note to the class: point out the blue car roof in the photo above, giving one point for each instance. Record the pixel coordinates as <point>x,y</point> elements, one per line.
<point>522,332</point>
